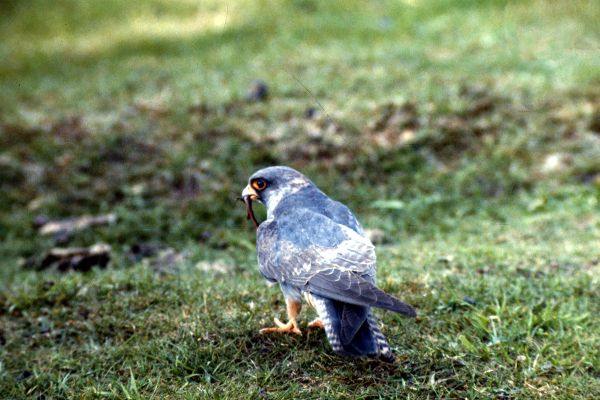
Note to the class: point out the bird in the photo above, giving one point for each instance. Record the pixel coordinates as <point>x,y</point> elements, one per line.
<point>316,249</point>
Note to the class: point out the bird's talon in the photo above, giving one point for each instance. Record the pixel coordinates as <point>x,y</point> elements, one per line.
<point>278,322</point>
<point>290,327</point>
<point>316,323</point>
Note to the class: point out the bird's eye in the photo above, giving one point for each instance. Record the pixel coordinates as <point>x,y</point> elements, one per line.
<point>259,184</point>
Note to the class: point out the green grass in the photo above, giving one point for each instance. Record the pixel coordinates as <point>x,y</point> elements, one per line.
<point>467,131</point>
<point>532,330</point>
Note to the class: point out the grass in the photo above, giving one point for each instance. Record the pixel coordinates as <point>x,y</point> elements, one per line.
<point>467,132</point>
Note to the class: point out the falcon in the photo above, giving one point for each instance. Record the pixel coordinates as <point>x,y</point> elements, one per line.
<point>316,249</point>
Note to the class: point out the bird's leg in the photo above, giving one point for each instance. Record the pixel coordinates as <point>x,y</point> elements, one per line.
<point>316,323</point>
<point>293,309</point>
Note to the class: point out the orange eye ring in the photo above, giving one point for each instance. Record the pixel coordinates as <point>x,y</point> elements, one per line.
<point>259,184</point>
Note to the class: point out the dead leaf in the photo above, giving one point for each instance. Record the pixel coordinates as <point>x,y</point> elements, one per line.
<point>68,226</point>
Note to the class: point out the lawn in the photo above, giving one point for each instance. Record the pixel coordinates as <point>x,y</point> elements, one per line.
<point>465,133</point>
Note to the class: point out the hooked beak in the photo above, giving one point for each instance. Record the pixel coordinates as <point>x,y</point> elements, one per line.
<point>248,196</point>
<point>250,193</point>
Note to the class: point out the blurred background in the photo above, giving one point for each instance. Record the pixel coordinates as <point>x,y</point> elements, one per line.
<point>465,131</point>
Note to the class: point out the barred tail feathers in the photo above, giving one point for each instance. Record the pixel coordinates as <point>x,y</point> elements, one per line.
<point>352,330</point>
<point>383,348</point>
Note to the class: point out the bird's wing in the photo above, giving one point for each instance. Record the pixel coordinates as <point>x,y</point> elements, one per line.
<point>308,250</point>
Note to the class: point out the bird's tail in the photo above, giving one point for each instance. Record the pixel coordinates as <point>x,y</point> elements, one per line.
<point>352,330</point>
<point>383,348</point>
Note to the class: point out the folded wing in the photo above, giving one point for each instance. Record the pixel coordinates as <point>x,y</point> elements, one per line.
<point>312,252</point>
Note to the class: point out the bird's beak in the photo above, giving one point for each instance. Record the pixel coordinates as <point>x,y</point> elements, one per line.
<point>248,196</point>
<point>250,193</point>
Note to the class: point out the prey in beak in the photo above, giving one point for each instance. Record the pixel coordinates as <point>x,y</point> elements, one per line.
<point>248,196</point>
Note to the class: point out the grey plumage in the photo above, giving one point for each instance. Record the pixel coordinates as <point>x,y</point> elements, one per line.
<point>314,245</point>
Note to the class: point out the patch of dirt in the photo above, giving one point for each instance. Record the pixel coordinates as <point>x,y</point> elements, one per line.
<point>446,135</point>
<point>13,134</point>
<point>70,129</point>
<point>594,124</point>
<point>394,125</point>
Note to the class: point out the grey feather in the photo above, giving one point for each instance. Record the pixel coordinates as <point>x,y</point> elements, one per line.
<point>383,348</point>
<point>314,245</point>
<point>352,319</point>
<point>339,264</point>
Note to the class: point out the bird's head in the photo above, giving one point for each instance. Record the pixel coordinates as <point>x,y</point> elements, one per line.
<point>270,185</point>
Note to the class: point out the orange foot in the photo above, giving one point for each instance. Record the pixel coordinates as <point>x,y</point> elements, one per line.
<point>290,327</point>
<point>316,323</point>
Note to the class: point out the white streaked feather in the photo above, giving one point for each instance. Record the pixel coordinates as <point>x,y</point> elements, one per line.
<point>290,188</point>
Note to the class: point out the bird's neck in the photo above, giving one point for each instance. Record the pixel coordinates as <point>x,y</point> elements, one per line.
<point>306,197</point>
